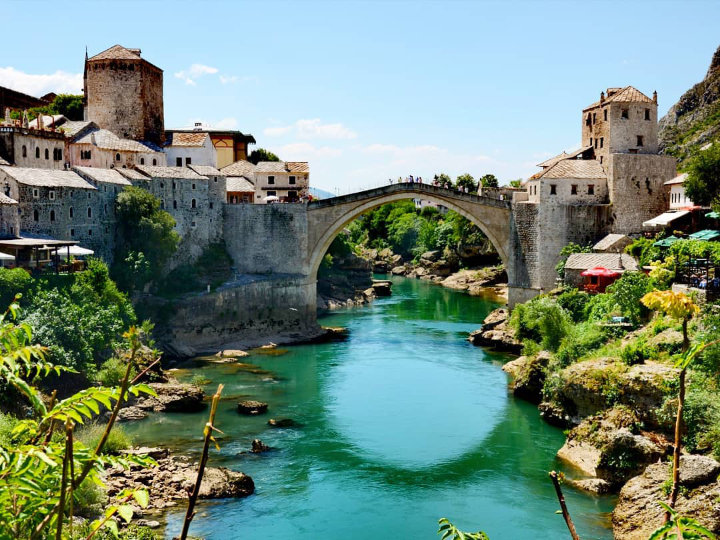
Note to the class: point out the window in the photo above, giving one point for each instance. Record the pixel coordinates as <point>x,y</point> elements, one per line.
<point>47,153</point>
<point>573,189</point>
<point>84,154</point>
<point>89,232</point>
<point>271,193</point>
<point>292,194</point>
<point>89,212</point>
<point>591,189</point>
<point>142,161</point>
<point>212,205</point>
<point>594,118</point>
<point>605,114</point>
<point>173,184</point>
<point>291,180</point>
<point>72,212</point>
<point>37,153</point>
<point>175,205</point>
<point>188,161</point>
<point>72,232</point>
<point>588,120</point>
<point>553,189</point>
<point>271,180</point>
<point>602,140</point>
<point>117,156</point>
<point>24,151</point>
<point>57,154</point>
<point>52,215</point>
<point>215,179</point>
<point>193,186</point>
<point>624,113</point>
<point>193,204</point>
<point>591,141</point>
<point>51,194</point>
<point>162,185</point>
<point>89,195</point>
<point>647,114</point>
<point>36,193</point>
<point>36,215</point>
<point>639,140</point>
<point>192,224</point>
<point>154,162</point>
<point>601,158</point>
<point>596,143</point>
<point>162,204</point>
<point>178,162</point>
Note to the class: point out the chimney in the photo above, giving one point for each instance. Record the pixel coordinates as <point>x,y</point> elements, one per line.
<point>198,126</point>
<point>25,121</point>
<point>602,97</point>
<point>655,97</point>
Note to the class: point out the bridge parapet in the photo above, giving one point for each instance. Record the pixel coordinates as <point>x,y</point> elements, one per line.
<point>407,187</point>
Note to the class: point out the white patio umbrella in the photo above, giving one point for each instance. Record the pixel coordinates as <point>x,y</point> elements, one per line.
<point>272,198</point>
<point>75,251</point>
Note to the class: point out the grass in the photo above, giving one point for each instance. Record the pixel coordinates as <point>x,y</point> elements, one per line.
<point>118,440</point>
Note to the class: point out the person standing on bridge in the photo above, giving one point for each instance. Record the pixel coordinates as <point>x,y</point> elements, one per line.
<point>390,180</point>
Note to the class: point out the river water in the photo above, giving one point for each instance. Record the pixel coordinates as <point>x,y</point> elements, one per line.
<point>402,424</point>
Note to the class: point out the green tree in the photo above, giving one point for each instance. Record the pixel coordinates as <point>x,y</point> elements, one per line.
<point>260,154</point>
<point>565,252</point>
<point>703,181</point>
<point>69,105</point>
<point>489,180</point>
<point>143,228</point>
<point>442,179</point>
<point>466,180</point>
<point>516,183</point>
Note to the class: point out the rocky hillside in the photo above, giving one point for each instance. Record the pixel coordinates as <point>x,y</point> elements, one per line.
<point>694,121</point>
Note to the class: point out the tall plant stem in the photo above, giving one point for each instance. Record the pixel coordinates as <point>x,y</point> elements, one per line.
<point>209,427</point>
<point>563,506</point>
<point>672,499</point>
<point>63,482</point>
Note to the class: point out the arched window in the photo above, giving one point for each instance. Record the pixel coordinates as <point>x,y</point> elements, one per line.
<point>193,204</point>
<point>36,215</point>
<point>89,212</point>
<point>47,153</point>
<point>175,205</point>
<point>72,212</point>
<point>117,156</point>
<point>154,162</point>
<point>37,152</point>
<point>24,151</point>
<point>52,215</point>
<point>142,161</point>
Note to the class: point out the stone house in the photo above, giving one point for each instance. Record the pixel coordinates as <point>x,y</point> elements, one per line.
<point>124,94</point>
<point>577,263</point>
<point>91,146</point>
<point>27,147</point>
<point>569,181</point>
<point>57,204</point>
<point>186,148</point>
<point>9,217</point>
<point>240,182</point>
<point>678,199</point>
<point>613,243</point>
<point>229,145</point>
<point>288,181</point>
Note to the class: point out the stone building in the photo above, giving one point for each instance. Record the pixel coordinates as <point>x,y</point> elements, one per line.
<point>288,181</point>
<point>124,94</point>
<point>240,182</point>
<point>57,204</point>
<point>678,198</point>
<point>91,146</point>
<point>229,146</point>
<point>9,218</point>
<point>186,148</point>
<point>28,147</point>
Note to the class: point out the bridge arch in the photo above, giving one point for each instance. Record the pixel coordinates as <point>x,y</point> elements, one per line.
<point>328,217</point>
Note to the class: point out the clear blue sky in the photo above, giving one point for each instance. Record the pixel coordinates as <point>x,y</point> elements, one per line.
<point>371,90</point>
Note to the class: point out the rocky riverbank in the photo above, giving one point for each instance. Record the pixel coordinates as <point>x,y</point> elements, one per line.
<point>616,441</point>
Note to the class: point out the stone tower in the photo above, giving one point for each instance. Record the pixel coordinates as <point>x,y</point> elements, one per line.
<point>622,129</point>
<point>124,94</point>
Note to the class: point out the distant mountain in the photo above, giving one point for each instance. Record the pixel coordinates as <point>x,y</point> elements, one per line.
<point>321,193</point>
<point>694,120</point>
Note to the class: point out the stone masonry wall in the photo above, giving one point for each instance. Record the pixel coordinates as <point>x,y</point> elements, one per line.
<point>637,191</point>
<point>267,239</point>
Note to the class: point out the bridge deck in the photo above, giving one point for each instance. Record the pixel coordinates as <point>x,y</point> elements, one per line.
<point>407,187</point>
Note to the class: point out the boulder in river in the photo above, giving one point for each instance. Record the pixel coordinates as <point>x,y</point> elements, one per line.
<point>172,396</point>
<point>528,374</point>
<point>282,422</point>
<point>496,333</point>
<point>259,447</point>
<point>251,407</point>
<point>382,287</point>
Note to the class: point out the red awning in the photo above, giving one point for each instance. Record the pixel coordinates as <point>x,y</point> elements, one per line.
<point>600,271</point>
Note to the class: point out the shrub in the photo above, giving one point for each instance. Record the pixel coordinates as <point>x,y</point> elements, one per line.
<point>541,320</point>
<point>12,282</point>
<point>636,352</point>
<point>112,372</point>
<point>574,302</point>
<point>580,340</point>
<point>117,441</point>
<point>89,499</point>
<point>7,423</point>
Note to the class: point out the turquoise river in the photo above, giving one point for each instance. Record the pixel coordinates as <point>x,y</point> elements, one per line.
<point>403,423</point>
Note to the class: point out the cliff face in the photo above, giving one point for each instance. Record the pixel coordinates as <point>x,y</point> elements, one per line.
<point>694,120</point>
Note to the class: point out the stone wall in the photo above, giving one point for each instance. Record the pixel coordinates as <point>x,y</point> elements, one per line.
<point>267,239</point>
<point>9,220</point>
<point>30,148</point>
<point>637,190</point>
<point>104,158</point>
<point>241,314</point>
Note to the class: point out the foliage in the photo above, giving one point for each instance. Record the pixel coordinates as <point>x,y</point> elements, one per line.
<point>680,527</point>
<point>565,252</point>
<point>675,304</point>
<point>516,183</point>
<point>489,181</point>
<point>442,179</point>
<point>466,181</point>
<point>450,532</point>
<point>663,272</point>
<point>118,440</point>
<point>643,250</point>
<point>627,291</point>
<point>541,320</point>
<point>703,181</point>
<point>212,268</point>
<point>580,340</point>
<point>142,228</point>
<point>574,302</point>
<point>7,424</point>
<point>40,472</point>
<point>260,154</point>
<point>636,352</point>
<point>111,372</point>
<point>12,282</point>
<point>403,233</point>
<point>69,105</point>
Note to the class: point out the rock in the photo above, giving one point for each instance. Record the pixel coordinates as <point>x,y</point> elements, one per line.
<point>399,271</point>
<point>154,452</point>
<point>381,267</point>
<point>420,271</point>
<point>529,376</point>
<point>430,256</point>
<point>129,414</point>
<point>496,333</point>
<point>395,260</point>
<point>513,367</point>
<point>149,523</point>
<point>252,407</point>
<point>282,422</point>
<point>593,485</point>
<point>382,288</point>
<point>171,397</point>
<point>637,513</point>
<point>386,253</point>
<point>495,318</point>
<point>554,415</point>
<point>232,353</point>
<point>258,447</point>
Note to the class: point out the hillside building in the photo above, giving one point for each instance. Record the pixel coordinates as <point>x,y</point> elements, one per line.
<point>282,181</point>
<point>240,182</point>
<point>206,146</point>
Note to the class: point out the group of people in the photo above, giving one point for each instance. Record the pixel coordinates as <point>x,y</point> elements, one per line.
<point>413,180</point>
